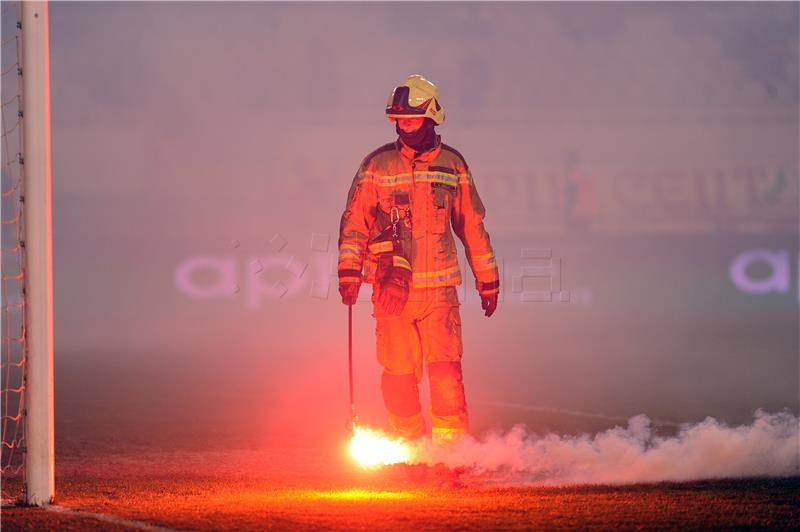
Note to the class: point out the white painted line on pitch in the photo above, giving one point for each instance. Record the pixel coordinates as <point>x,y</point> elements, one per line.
<point>141,525</point>
<point>565,411</point>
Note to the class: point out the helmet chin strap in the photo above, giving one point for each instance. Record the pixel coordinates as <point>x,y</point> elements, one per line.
<point>419,140</point>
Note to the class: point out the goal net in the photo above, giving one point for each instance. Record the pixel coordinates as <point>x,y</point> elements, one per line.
<point>12,316</point>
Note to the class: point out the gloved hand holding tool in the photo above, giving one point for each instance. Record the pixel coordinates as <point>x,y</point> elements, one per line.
<point>349,291</point>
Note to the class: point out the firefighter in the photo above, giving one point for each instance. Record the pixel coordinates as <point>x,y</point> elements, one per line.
<point>406,201</point>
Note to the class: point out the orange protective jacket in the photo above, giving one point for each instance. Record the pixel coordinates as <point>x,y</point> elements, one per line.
<point>438,188</point>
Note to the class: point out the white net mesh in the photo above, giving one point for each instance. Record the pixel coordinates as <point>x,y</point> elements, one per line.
<point>12,315</point>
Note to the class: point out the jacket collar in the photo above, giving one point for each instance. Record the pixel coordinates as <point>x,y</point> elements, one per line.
<point>425,156</point>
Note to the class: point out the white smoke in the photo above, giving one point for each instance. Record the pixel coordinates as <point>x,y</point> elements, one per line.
<point>770,446</point>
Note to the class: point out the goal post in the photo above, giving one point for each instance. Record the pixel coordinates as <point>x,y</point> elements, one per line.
<point>38,238</point>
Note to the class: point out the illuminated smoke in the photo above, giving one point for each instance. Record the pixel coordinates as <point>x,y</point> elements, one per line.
<point>770,446</point>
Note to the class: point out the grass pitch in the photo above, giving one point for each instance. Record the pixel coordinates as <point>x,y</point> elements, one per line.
<point>317,489</point>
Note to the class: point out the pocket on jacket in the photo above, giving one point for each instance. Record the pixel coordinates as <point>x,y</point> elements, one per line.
<point>441,210</point>
<point>386,202</point>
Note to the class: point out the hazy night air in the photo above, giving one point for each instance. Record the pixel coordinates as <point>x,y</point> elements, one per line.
<point>683,125</point>
<point>640,171</point>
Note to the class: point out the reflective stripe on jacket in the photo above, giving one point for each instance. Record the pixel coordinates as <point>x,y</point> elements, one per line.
<point>438,187</point>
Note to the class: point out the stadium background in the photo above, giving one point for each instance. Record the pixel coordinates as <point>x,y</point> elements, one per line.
<point>202,154</point>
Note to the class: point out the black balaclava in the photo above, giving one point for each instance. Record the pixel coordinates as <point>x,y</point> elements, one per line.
<point>421,140</point>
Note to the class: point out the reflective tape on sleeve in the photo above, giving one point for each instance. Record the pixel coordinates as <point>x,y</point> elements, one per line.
<point>483,262</point>
<point>350,249</point>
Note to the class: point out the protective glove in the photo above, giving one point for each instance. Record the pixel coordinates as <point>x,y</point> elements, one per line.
<point>488,292</point>
<point>394,291</point>
<point>489,304</point>
<point>349,292</point>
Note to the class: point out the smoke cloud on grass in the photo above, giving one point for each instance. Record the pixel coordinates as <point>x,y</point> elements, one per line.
<point>769,446</point>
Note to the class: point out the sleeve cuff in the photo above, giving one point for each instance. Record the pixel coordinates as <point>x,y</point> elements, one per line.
<point>488,288</point>
<point>349,276</point>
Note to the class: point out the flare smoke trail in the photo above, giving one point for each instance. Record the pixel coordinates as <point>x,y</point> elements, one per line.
<point>770,446</point>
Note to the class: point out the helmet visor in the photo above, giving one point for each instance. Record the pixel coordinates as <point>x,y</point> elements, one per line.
<point>398,104</point>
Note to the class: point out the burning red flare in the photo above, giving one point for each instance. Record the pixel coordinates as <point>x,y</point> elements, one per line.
<point>372,448</point>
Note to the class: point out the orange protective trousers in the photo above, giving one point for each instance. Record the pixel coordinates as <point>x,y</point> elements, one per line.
<point>428,330</point>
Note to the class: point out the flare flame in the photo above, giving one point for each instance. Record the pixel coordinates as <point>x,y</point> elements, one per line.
<point>370,448</point>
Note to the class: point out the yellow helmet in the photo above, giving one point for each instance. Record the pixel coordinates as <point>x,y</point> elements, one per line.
<point>415,97</point>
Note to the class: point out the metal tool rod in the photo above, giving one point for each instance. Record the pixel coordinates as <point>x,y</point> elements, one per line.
<point>350,364</point>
